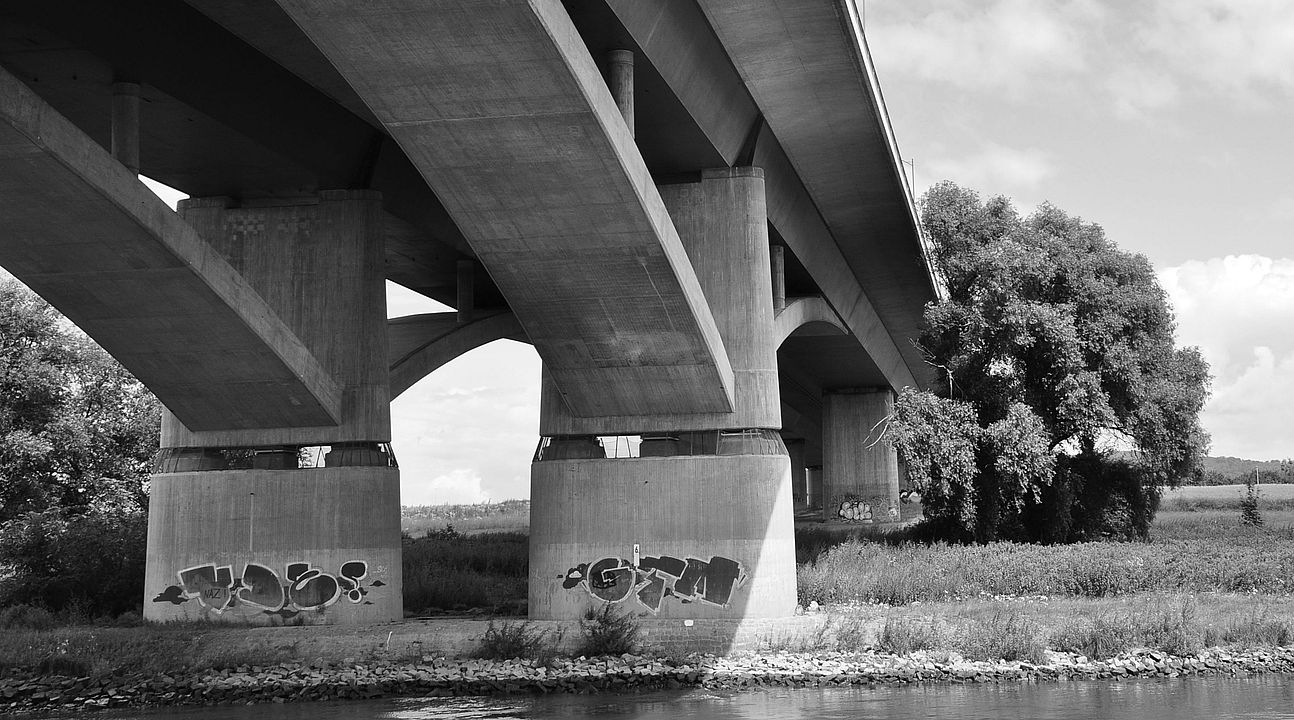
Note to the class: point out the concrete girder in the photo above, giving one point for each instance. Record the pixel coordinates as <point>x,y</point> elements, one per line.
<point>79,229</point>
<point>420,344</point>
<point>806,64</point>
<point>505,114</point>
<point>697,67</point>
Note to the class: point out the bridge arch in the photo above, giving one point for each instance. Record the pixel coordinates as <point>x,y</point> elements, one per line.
<point>419,344</point>
<point>808,311</point>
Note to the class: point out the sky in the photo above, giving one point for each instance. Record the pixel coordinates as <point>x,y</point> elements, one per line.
<point>1164,121</point>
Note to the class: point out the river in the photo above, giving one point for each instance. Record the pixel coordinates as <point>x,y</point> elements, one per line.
<point>1269,697</point>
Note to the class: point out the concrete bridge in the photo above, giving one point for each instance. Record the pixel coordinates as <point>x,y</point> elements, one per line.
<point>693,209</point>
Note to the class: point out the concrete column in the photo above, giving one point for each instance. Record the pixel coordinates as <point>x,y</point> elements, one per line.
<point>620,78</point>
<point>813,481</point>
<point>799,477</point>
<point>466,290</point>
<point>700,526</point>
<point>125,124</point>
<point>237,533</point>
<point>860,468</point>
<point>778,255</point>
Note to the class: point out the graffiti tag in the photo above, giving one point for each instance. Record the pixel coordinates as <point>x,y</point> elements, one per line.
<point>615,580</point>
<point>260,588</point>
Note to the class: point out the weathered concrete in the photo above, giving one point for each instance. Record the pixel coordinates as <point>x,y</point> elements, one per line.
<point>419,344</point>
<point>723,224</point>
<point>725,518</point>
<point>799,476</point>
<point>256,546</point>
<point>504,112</point>
<point>695,64</point>
<point>811,315</point>
<point>806,64</point>
<point>81,230</point>
<point>860,466</point>
<point>319,266</point>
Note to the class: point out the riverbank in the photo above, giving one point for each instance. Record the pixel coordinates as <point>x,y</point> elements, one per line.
<point>294,682</point>
<point>984,640</point>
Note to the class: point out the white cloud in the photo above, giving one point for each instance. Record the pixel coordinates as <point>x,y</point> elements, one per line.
<point>1238,309</point>
<point>1242,46</point>
<point>994,167</point>
<point>1005,44</point>
<point>458,487</point>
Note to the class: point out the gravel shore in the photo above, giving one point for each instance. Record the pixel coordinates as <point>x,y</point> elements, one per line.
<point>295,682</point>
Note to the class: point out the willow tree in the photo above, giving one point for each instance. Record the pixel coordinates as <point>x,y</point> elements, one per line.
<point>1066,404</point>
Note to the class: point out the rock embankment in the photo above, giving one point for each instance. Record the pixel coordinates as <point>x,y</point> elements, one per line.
<point>445,677</point>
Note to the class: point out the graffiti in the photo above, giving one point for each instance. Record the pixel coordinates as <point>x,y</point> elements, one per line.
<point>615,579</point>
<point>260,588</point>
<point>908,497</point>
<point>852,508</point>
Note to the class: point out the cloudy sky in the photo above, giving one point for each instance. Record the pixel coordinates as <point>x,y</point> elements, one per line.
<point>1165,121</point>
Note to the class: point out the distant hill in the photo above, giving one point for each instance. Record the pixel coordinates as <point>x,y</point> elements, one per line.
<point>1232,466</point>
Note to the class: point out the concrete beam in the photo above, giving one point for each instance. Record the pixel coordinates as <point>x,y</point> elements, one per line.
<point>507,117</point>
<point>83,232</point>
<point>419,344</point>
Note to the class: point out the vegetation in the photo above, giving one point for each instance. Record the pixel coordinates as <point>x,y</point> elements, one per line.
<point>77,433</point>
<point>505,516</point>
<point>607,631</point>
<point>1052,342</point>
<point>511,639</point>
<point>1250,513</point>
<point>449,571</point>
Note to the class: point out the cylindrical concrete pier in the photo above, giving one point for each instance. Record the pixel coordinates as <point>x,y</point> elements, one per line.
<point>125,124</point>
<point>672,537</point>
<point>620,79</point>
<point>264,547</point>
<point>860,467</point>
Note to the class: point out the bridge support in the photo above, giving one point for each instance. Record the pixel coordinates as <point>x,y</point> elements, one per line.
<point>700,525</point>
<point>860,466</point>
<point>243,526</point>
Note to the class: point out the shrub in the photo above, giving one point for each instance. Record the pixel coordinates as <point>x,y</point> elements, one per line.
<point>26,617</point>
<point>904,636</point>
<point>608,632</point>
<point>507,640</point>
<point>1007,636</point>
<point>76,564</point>
<point>1100,637</point>
<point>1250,513</point>
<point>1177,630</point>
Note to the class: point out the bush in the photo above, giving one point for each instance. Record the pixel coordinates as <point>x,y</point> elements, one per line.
<point>508,640</point>
<point>1100,637</point>
<point>26,617</point>
<point>904,636</point>
<point>607,632</point>
<point>88,564</point>
<point>1004,636</point>
<point>1250,513</point>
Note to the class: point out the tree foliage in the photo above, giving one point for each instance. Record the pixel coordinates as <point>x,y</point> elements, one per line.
<point>77,433</point>
<point>1055,347</point>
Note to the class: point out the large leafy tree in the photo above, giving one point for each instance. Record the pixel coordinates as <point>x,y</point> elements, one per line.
<point>1066,403</point>
<point>77,433</point>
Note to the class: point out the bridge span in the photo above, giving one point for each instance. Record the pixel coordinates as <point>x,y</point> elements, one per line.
<point>693,209</point>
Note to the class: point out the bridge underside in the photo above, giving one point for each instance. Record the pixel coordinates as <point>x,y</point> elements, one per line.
<point>474,153</point>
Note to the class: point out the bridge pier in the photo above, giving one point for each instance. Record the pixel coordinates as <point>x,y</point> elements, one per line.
<point>243,527</point>
<point>860,472</point>
<point>700,525</point>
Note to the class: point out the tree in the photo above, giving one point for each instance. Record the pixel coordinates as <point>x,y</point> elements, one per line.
<point>1054,347</point>
<point>77,435</point>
